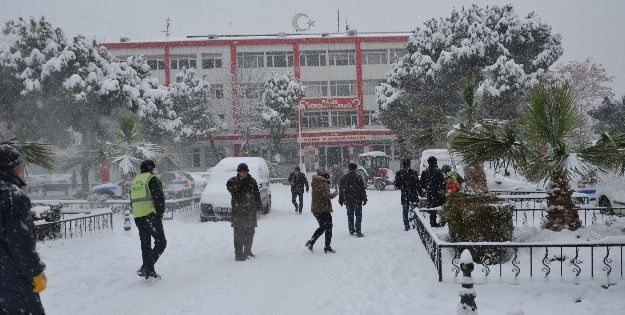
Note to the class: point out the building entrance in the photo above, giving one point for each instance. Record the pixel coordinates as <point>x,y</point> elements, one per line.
<point>333,155</point>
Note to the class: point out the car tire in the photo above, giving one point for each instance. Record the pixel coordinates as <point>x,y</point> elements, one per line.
<point>203,219</point>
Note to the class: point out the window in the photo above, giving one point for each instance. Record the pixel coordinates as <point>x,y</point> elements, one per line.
<point>250,90</point>
<point>316,88</point>
<point>371,118</point>
<point>396,54</point>
<point>280,59</point>
<point>196,157</point>
<point>343,118</point>
<point>217,91</point>
<point>251,59</point>
<point>341,57</point>
<point>343,88</point>
<point>374,57</point>
<point>312,58</point>
<point>368,86</point>
<point>155,62</point>
<point>183,61</point>
<point>315,120</point>
<point>211,61</point>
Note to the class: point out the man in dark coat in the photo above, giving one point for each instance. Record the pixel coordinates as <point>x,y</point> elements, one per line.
<point>321,207</point>
<point>147,200</point>
<point>353,193</point>
<point>298,181</point>
<point>407,180</point>
<point>21,271</point>
<point>433,181</point>
<point>246,203</point>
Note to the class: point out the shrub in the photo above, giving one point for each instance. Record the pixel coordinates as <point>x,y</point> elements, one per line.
<point>480,218</point>
<point>48,213</point>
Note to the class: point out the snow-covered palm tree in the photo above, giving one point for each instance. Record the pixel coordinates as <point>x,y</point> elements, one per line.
<point>33,153</point>
<point>540,146</point>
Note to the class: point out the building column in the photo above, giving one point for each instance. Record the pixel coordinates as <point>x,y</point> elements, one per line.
<point>234,87</point>
<point>167,61</point>
<point>359,83</point>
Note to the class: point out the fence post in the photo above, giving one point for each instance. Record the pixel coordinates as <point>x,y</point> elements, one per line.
<point>467,304</point>
<point>127,224</point>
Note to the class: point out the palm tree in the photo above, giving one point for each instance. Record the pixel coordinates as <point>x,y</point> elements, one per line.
<point>33,153</point>
<point>442,130</point>
<point>539,145</point>
<point>125,153</point>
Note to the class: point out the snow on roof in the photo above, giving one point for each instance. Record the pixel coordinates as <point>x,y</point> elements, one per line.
<point>373,153</point>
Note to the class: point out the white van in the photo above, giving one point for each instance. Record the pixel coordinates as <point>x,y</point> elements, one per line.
<point>443,157</point>
<point>215,203</point>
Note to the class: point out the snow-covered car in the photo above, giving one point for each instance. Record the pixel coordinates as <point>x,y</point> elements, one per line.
<point>200,179</point>
<point>610,191</point>
<point>215,203</point>
<point>176,185</point>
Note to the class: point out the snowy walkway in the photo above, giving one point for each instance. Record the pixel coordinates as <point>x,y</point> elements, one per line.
<point>386,272</point>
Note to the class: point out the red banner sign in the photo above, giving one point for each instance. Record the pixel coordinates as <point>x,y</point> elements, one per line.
<point>330,103</point>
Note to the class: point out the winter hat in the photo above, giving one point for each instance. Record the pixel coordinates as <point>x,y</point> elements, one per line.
<point>406,163</point>
<point>9,156</point>
<point>297,168</point>
<point>432,160</point>
<point>352,166</point>
<point>147,166</point>
<point>446,168</point>
<point>243,167</point>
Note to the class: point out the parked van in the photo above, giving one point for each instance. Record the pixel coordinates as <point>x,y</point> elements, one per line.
<point>215,203</point>
<point>443,157</point>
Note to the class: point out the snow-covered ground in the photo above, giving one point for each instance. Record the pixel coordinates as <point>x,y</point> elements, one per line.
<point>386,272</point>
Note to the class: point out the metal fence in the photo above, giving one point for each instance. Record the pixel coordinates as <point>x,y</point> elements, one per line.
<point>75,227</point>
<point>518,261</point>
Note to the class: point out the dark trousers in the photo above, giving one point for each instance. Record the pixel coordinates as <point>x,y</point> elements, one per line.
<point>294,196</point>
<point>406,209</point>
<point>25,302</point>
<point>151,226</point>
<point>325,226</point>
<point>243,239</point>
<point>354,211</point>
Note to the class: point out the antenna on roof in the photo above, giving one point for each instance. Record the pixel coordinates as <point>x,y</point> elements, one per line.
<point>338,20</point>
<point>166,30</point>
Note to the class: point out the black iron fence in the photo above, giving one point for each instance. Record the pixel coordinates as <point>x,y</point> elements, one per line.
<point>514,261</point>
<point>75,227</point>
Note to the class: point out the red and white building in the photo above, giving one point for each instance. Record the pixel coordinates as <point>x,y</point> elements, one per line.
<point>340,72</point>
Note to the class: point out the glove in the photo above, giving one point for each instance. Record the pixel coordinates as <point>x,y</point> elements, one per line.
<point>364,202</point>
<point>40,282</point>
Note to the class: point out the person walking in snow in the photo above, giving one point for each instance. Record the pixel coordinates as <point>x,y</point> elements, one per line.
<point>246,203</point>
<point>147,200</point>
<point>321,207</point>
<point>298,181</point>
<point>22,275</point>
<point>407,180</point>
<point>433,181</point>
<point>353,193</point>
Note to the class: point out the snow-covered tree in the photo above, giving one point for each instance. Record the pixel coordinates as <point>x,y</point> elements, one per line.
<point>589,85</point>
<point>280,97</point>
<point>610,115</point>
<point>191,100</point>
<point>507,53</point>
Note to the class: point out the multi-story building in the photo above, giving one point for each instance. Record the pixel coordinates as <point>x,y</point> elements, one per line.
<point>340,72</point>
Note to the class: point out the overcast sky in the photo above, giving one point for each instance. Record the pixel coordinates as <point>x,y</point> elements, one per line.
<point>590,28</point>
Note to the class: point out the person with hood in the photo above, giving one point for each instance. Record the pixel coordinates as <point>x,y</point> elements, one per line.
<point>246,203</point>
<point>353,194</point>
<point>433,181</point>
<point>407,180</point>
<point>147,200</point>
<point>298,181</point>
<point>321,207</point>
<point>22,275</point>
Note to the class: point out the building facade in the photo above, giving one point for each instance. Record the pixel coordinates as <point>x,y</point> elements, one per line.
<point>337,118</point>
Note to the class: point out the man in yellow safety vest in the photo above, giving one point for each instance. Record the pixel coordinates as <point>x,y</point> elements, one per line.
<point>148,207</point>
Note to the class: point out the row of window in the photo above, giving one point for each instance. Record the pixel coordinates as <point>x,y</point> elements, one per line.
<point>308,58</point>
<point>339,88</point>
<point>336,118</point>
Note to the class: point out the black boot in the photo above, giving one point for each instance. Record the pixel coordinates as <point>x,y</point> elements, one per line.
<point>309,245</point>
<point>329,249</point>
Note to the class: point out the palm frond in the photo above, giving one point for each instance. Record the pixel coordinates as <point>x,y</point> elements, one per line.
<point>608,153</point>
<point>34,153</point>
<point>498,143</point>
<point>470,105</point>
<point>551,115</point>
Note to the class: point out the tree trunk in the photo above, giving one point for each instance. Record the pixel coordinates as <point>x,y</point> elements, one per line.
<point>476,178</point>
<point>84,178</point>
<point>561,212</point>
